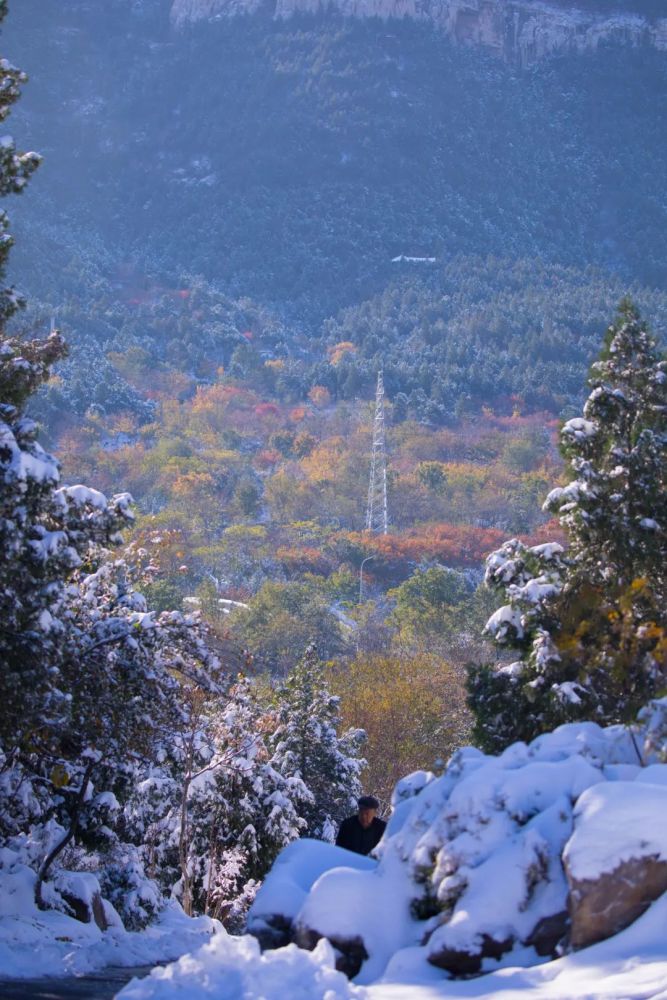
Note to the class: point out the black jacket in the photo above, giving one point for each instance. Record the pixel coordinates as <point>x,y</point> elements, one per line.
<point>353,837</point>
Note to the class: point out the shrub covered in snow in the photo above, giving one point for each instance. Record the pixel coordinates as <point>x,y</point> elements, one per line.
<point>237,782</point>
<point>242,808</point>
<point>123,881</point>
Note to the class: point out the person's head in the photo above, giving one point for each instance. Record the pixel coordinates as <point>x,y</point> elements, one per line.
<point>368,807</point>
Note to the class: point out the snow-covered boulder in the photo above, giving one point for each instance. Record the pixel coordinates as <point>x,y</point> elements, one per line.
<point>616,859</point>
<point>470,872</point>
<point>366,918</point>
<point>82,896</point>
<point>286,888</point>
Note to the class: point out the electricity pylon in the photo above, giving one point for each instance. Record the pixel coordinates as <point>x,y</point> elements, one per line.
<point>377,519</point>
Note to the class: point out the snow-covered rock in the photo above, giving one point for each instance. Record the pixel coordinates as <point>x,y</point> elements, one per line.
<point>366,917</point>
<point>616,858</point>
<point>470,871</point>
<point>81,894</point>
<point>284,891</point>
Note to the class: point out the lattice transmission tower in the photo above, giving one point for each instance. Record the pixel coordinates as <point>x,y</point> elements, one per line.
<point>377,519</point>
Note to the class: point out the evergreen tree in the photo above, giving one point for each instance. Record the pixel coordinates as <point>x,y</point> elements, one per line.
<point>243,809</point>
<point>29,568</point>
<point>214,809</point>
<point>307,745</point>
<point>16,169</point>
<point>90,680</point>
<point>590,622</point>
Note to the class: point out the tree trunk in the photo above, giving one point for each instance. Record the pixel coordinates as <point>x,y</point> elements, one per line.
<point>183,840</point>
<point>64,841</point>
<point>212,867</point>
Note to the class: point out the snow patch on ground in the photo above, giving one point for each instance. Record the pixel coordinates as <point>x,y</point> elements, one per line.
<point>36,943</point>
<point>234,968</point>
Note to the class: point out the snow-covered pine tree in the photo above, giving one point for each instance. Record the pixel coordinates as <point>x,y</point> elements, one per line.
<point>16,169</point>
<point>590,622</point>
<point>90,681</point>
<point>243,808</point>
<point>123,674</point>
<point>89,678</point>
<point>29,568</point>
<point>306,744</point>
<point>156,795</point>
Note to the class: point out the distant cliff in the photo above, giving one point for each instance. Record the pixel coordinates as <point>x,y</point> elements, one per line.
<point>519,31</point>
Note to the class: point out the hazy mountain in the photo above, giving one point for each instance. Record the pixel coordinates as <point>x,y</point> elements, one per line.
<point>291,161</point>
<point>521,31</point>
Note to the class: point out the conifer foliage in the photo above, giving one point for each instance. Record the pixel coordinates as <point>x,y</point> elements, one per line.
<point>91,682</point>
<point>307,745</point>
<point>589,621</point>
<point>16,169</point>
<point>241,779</point>
<point>245,809</point>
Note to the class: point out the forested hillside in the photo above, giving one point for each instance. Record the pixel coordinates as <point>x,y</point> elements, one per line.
<point>284,165</point>
<point>237,224</point>
<point>291,161</point>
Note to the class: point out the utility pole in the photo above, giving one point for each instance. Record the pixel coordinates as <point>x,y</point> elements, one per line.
<point>377,520</point>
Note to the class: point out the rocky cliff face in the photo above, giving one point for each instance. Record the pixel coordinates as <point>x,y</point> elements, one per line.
<point>520,31</point>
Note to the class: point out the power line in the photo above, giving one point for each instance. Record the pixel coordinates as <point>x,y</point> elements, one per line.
<point>377,519</point>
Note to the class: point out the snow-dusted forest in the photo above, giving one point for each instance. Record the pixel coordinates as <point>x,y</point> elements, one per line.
<point>184,726</point>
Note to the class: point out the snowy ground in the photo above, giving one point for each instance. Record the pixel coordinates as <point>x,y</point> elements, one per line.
<point>631,966</point>
<point>36,944</point>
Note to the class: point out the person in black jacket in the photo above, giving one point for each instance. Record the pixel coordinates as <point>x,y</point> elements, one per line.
<point>362,832</point>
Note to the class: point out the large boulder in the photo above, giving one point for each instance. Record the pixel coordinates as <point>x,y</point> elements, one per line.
<point>285,889</point>
<point>80,891</point>
<point>350,952</point>
<point>498,877</point>
<point>470,872</point>
<point>363,916</point>
<point>616,859</point>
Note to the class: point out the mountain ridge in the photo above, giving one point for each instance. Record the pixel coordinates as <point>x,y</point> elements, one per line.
<point>523,32</point>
